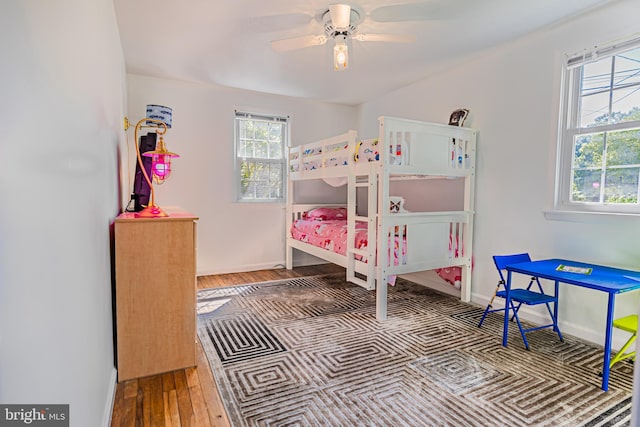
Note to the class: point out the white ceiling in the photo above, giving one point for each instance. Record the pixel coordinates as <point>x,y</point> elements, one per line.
<point>227,42</point>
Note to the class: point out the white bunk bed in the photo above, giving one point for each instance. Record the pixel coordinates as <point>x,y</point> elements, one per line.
<point>406,150</point>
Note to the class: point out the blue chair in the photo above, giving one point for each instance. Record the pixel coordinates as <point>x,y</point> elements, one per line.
<point>519,296</point>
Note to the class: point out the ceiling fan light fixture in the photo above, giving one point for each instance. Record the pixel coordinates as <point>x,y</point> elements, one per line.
<point>340,54</point>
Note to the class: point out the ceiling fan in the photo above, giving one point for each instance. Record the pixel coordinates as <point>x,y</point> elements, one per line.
<point>340,23</point>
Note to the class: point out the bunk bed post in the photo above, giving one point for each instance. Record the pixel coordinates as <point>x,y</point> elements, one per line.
<point>351,227</point>
<point>469,203</point>
<point>289,255</point>
<point>289,216</point>
<point>379,195</point>
<point>465,285</point>
<point>372,224</point>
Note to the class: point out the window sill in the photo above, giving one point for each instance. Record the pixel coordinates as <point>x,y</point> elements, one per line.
<point>589,217</point>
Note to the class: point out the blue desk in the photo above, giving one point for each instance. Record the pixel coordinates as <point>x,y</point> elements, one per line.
<point>606,279</point>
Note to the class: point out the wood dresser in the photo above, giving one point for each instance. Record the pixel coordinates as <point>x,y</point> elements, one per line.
<point>155,263</point>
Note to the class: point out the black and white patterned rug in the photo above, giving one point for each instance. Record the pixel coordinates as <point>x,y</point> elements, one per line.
<point>309,352</point>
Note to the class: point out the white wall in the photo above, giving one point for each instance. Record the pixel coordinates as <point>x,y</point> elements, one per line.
<point>513,95</point>
<point>62,84</point>
<point>231,236</point>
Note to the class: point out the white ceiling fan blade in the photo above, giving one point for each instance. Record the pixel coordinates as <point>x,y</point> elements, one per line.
<point>297,43</point>
<point>340,16</point>
<point>394,38</point>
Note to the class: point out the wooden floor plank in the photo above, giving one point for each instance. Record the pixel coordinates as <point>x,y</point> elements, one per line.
<point>130,388</point>
<point>168,382</point>
<point>157,402</point>
<point>192,377</point>
<point>173,408</point>
<point>201,415</point>
<point>130,413</point>
<point>215,407</point>
<point>118,407</point>
<point>190,397</point>
<point>185,406</point>
<point>167,409</point>
<point>144,400</point>
<point>140,420</point>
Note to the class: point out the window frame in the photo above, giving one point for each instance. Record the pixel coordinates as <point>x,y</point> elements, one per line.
<point>241,115</point>
<point>569,128</point>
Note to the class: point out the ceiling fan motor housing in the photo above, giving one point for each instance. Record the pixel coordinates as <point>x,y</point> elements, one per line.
<point>332,32</point>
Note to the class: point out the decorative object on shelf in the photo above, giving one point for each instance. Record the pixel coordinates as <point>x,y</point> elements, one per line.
<point>160,118</point>
<point>458,116</point>
<point>396,204</point>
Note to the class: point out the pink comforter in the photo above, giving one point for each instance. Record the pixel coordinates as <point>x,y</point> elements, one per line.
<point>332,235</point>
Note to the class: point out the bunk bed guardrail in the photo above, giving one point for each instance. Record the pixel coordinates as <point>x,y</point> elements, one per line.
<point>404,147</point>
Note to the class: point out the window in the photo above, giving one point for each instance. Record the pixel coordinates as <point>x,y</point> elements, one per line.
<point>260,141</point>
<point>599,151</point>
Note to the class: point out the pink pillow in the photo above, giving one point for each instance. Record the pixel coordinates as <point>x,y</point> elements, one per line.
<point>326,214</point>
<point>453,275</point>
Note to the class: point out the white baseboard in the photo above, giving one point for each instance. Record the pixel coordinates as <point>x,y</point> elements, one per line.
<point>579,331</point>
<point>302,259</point>
<point>241,268</point>
<point>108,409</point>
<point>299,261</point>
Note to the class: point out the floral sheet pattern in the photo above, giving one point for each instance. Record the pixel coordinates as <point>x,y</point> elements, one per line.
<point>332,235</point>
<point>329,234</point>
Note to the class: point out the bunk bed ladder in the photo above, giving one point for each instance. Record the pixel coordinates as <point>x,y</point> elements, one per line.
<point>369,254</point>
<point>372,224</point>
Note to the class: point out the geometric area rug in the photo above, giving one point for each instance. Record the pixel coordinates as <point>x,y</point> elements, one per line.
<point>309,352</point>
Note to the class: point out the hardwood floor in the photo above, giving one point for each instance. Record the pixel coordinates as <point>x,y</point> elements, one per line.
<point>189,397</point>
